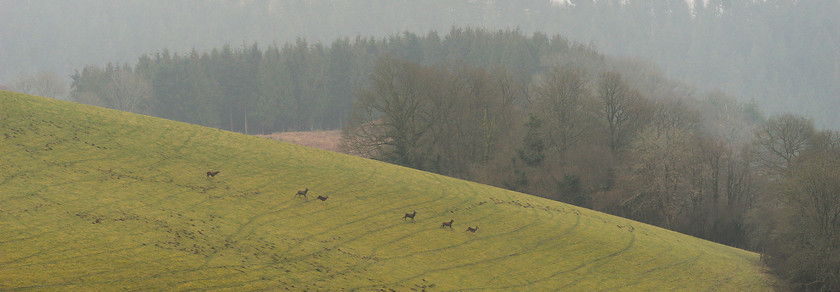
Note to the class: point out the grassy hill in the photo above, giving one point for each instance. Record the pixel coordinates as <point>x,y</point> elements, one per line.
<point>96,199</point>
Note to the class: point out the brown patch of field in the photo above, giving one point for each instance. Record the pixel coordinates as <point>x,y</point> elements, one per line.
<point>327,140</point>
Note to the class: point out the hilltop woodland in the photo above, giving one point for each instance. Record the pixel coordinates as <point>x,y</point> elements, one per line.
<point>539,114</point>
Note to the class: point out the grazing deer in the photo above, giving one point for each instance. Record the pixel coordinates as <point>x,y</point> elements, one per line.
<point>410,215</point>
<point>212,173</point>
<point>447,224</point>
<point>302,193</point>
<point>322,198</point>
<point>470,229</point>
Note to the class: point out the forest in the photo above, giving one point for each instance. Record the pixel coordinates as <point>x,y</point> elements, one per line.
<point>533,113</point>
<point>784,55</point>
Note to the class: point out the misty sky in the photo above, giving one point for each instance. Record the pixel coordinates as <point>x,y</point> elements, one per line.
<point>785,55</point>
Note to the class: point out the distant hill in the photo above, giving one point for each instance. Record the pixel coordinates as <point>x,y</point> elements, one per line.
<point>97,199</point>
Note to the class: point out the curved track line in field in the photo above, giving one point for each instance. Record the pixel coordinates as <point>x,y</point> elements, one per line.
<point>639,277</point>
<point>357,237</point>
<point>365,265</point>
<point>31,236</point>
<point>108,271</point>
<point>87,283</point>
<point>73,257</point>
<point>35,226</point>
<point>524,250</point>
<point>533,222</point>
<point>42,168</point>
<point>629,245</point>
<point>169,273</point>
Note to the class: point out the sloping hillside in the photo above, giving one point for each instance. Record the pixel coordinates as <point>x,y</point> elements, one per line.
<point>96,199</point>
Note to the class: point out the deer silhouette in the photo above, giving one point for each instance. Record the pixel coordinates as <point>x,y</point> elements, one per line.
<point>470,229</point>
<point>447,224</point>
<point>212,173</point>
<point>322,198</point>
<point>410,215</point>
<point>302,193</point>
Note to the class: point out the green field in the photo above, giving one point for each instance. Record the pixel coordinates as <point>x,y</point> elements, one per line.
<point>97,199</point>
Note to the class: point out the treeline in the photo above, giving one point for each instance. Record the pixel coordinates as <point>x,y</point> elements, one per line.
<point>579,132</point>
<point>299,86</point>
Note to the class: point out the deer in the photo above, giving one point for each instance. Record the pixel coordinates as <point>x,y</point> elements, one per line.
<point>407,215</point>
<point>302,193</point>
<point>212,173</point>
<point>322,198</point>
<point>447,224</point>
<point>470,229</point>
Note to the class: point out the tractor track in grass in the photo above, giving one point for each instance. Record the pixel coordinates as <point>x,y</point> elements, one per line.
<point>627,247</point>
<point>59,260</point>
<point>530,248</point>
<point>501,234</point>
<point>689,261</point>
<point>24,238</point>
<point>336,245</point>
<point>113,283</point>
<point>92,255</point>
<point>363,266</point>
<point>375,249</point>
<point>308,239</point>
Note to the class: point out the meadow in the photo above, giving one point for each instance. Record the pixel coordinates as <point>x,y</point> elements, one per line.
<point>97,199</point>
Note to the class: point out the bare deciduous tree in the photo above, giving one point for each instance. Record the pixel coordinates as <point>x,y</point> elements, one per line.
<point>618,101</point>
<point>46,84</point>
<point>128,91</point>
<point>809,256</point>
<point>395,113</point>
<point>561,102</point>
<point>664,163</point>
<point>781,139</point>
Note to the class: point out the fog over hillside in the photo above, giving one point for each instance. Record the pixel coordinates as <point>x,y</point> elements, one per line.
<point>784,54</point>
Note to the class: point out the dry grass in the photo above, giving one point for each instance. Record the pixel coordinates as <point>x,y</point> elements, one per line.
<point>327,140</point>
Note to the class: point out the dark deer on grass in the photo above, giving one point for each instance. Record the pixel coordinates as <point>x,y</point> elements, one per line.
<point>407,215</point>
<point>447,224</point>
<point>212,173</point>
<point>470,229</point>
<point>322,198</point>
<point>302,193</point>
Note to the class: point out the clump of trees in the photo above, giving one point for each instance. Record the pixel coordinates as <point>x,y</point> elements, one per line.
<point>575,133</point>
<point>45,83</point>
<point>797,224</point>
<point>438,118</point>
